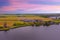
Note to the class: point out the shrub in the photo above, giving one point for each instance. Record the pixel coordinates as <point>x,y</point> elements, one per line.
<point>37,24</point>
<point>20,24</point>
<point>46,23</point>
<point>5,29</point>
<point>1,27</point>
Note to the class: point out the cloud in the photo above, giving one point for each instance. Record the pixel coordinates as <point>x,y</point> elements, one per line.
<point>45,7</point>
<point>46,0</point>
<point>25,6</point>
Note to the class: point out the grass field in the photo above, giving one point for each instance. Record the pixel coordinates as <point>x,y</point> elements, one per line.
<point>13,21</point>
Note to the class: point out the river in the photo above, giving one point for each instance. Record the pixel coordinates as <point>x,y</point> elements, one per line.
<point>32,33</point>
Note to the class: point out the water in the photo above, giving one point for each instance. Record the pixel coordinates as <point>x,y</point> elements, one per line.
<point>32,33</point>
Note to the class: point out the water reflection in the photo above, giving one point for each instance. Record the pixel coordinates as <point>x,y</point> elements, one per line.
<point>51,32</point>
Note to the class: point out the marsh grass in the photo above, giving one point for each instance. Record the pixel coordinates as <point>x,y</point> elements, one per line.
<point>13,21</point>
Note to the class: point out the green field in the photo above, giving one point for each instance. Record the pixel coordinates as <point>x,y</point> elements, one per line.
<point>14,21</point>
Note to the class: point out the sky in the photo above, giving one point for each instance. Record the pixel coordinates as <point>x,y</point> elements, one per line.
<point>29,6</point>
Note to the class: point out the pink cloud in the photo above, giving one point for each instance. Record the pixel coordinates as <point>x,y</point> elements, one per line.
<point>16,5</point>
<point>52,0</point>
<point>22,5</point>
<point>44,8</point>
<point>46,0</point>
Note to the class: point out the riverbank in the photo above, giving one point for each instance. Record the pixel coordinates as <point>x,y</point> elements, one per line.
<point>24,24</point>
<point>27,20</point>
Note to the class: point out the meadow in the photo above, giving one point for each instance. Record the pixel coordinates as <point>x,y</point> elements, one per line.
<point>14,21</point>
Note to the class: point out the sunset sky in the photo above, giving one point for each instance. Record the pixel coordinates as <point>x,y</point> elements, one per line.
<point>29,6</point>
